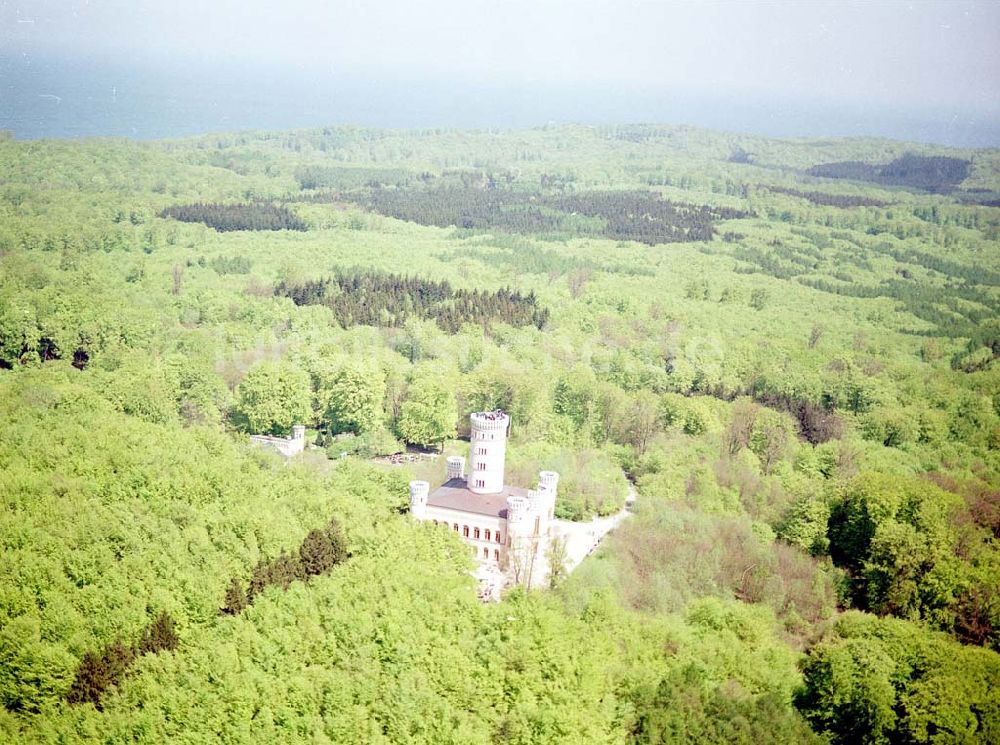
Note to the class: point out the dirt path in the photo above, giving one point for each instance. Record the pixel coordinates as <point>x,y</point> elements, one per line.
<point>583,537</point>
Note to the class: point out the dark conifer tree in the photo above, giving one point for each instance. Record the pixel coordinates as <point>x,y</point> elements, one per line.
<point>236,598</point>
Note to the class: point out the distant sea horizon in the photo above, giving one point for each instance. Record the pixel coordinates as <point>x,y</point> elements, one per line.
<point>51,97</point>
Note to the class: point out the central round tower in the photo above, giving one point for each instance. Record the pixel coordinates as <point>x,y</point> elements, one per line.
<point>487,451</point>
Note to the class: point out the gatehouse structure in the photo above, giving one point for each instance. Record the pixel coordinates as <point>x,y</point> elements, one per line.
<point>508,527</point>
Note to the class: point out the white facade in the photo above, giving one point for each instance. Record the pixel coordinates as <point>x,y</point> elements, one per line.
<point>506,526</point>
<point>485,533</point>
<point>487,451</point>
<point>456,467</point>
<point>419,491</point>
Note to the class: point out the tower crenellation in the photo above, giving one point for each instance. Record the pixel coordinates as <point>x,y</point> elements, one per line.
<point>537,505</point>
<point>517,513</point>
<point>548,486</point>
<point>507,527</point>
<point>419,492</point>
<point>455,467</point>
<point>548,480</point>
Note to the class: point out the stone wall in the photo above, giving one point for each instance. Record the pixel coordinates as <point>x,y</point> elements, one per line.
<point>287,446</point>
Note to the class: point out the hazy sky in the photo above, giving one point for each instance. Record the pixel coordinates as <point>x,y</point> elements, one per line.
<point>939,52</point>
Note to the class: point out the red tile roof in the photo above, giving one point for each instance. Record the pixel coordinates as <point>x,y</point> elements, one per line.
<point>455,494</point>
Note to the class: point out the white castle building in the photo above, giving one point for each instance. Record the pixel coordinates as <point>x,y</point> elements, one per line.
<point>287,446</point>
<point>508,527</point>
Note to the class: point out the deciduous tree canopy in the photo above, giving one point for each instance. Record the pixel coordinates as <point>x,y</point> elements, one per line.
<point>796,378</point>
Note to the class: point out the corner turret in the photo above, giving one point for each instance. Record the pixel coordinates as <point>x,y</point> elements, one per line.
<point>456,467</point>
<point>548,487</point>
<point>517,516</point>
<point>419,491</point>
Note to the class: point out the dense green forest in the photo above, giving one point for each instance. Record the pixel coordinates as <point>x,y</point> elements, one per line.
<point>788,348</point>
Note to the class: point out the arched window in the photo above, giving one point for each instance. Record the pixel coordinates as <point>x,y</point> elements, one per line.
<point>455,527</point>
<point>496,554</point>
<point>465,531</point>
<point>475,533</point>
<point>488,536</point>
<point>498,536</point>
<point>486,553</point>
